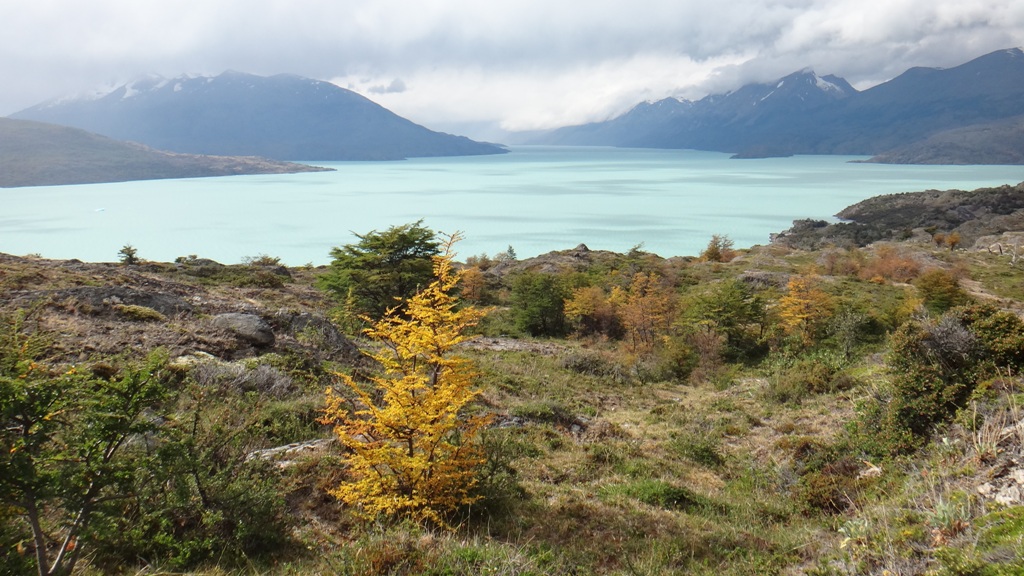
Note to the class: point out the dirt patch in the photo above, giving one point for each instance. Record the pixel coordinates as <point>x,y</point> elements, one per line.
<point>503,344</point>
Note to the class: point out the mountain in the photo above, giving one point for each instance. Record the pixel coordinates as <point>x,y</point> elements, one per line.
<point>991,143</point>
<point>284,117</point>
<point>38,154</point>
<point>804,113</point>
<point>725,122</point>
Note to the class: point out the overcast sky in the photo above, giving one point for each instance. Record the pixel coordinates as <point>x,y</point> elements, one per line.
<point>462,65</point>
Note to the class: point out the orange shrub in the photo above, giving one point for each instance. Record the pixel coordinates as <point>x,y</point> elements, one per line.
<point>891,264</point>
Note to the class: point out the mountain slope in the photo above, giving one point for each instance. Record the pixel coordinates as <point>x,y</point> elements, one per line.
<point>283,117</point>
<point>38,154</point>
<point>808,114</point>
<point>990,143</point>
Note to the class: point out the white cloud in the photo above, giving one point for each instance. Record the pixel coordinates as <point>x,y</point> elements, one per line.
<point>397,86</point>
<point>541,98</point>
<point>522,64</point>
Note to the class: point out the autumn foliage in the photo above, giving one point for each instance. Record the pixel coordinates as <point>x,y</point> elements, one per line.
<point>412,451</point>
<point>803,308</point>
<point>648,311</point>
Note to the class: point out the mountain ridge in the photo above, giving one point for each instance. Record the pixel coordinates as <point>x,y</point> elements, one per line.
<point>804,113</point>
<point>284,117</point>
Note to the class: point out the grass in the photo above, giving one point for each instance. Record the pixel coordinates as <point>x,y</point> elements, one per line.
<point>658,479</point>
<point>594,470</point>
<point>994,272</point>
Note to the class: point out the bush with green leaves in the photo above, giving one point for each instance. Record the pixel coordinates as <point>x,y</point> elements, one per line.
<point>200,496</point>
<point>934,371</point>
<point>1000,334</point>
<point>538,304</point>
<point>128,255</point>
<point>792,379</point>
<point>731,308</point>
<point>663,494</point>
<point>935,367</point>
<point>122,462</point>
<point>70,442</point>
<point>370,276</point>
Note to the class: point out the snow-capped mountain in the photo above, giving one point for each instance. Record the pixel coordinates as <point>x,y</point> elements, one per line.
<point>804,113</point>
<point>284,117</point>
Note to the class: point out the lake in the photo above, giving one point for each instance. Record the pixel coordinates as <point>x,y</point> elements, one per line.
<point>535,199</point>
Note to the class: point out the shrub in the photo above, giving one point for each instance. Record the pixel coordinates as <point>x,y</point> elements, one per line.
<point>592,312</point>
<point>719,249</point>
<point>544,411</point>
<point>194,493</point>
<point>675,360</point>
<point>128,255</point>
<point>588,362</point>
<point>66,446</point>
<point>891,264</point>
<point>934,368</point>
<point>370,275</point>
<point>804,309</point>
<point>933,372</point>
<point>792,380</point>
<point>538,304</point>
<point>1000,334</point>
<point>732,309</point>
<point>940,290</point>
<point>412,450</point>
<point>833,488</point>
<point>258,278</point>
<point>262,260</point>
<point>498,480</point>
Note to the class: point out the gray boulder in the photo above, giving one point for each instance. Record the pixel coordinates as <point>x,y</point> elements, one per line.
<point>248,327</point>
<point>102,299</point>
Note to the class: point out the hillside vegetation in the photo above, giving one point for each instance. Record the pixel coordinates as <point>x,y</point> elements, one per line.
<point>38,154</point>
<point>836,410</point>
<point>978,218</point>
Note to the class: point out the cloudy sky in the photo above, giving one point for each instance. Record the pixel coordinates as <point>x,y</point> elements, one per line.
<point>470,65</point>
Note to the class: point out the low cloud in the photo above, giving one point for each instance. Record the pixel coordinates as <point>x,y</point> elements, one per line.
<point>520,64</point>
<point>395,87</point>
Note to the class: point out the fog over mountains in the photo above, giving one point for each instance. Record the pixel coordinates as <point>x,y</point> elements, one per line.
<point>283,117</point>
<point>804,113</point>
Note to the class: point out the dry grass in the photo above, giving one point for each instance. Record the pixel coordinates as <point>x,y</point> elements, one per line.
<point>617,474</point>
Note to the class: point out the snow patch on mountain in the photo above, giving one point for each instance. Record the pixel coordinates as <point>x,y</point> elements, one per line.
<point>825,85</point>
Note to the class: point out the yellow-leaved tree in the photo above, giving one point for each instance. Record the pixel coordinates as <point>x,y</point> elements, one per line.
<point>412,451</point>
<point>648,311</point>
<point>804,307</point>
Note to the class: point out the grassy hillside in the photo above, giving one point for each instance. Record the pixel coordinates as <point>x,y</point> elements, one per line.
<point>38,154</point>
<point>835,411</point>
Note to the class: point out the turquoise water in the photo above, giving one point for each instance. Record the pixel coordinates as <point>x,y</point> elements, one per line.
<point>536,199</point>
